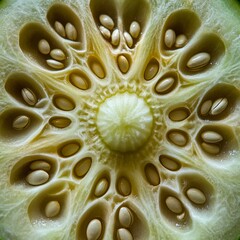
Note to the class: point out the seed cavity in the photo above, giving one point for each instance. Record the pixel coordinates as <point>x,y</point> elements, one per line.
<point>210,148</point>
<point>181,41</point>
<point>63,103</point>
<point>128,39</point>
<point>82,167</point>
<point>44,47</point>
<point>69,149</point>
<point>169,163</point>
<point>199,61</point>
<point>40,165</point>
<point>152,174</point>
<point>71,32</point>
<point>58,54</point>
<point>106,21</point>
<point>115,39</point>
<point>29,97</point>
<point>124,234</point>
<point>123,63</point>
<point>97,68</point>
<point>196,196</point>
<point>174,205</point>
<point>169,38</point>
<point>94,229</point>
<point>80,80</point>
<point>105,32</point>
<point>178,137</point>
<point>134,29</point>
<point>124,186</point>
<point>59,28</point>
<point>151,69</point>
<point>37,178</point>
<point>101,187</point>
<point>60,122</point>
<point>206,106</point>
<point>219,106</point>
<point>179,114</point>
<point>125,217</point>
<point>211,137</point>
<point>21,122</point>
<point>54,64</point>
<point>52,209</point>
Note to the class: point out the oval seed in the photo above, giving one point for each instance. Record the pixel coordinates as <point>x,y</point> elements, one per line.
<point>169,38</point>
<point>219,106</point>
<point>125,217</point>
<point>179,114</point>
<point>102,187</point>
<point>82,167</point>
<point>97,69</point>
<point>20,122</point>
<point>52,209</point>
<point>115,37</point>
<point>94,229</point>
<point>64,103</point>
<point>59,28</point>
<point>37,177</point>
<point>60,122</point>
<point>174,205</point>
<point>43,46</point>
<point>164,85</point>
<point>206,106</point>
<point>123,63</point>
<point>199,60</point>
<point>181,41</point>
<point>106,21</point>
<point>152,174</point>
<point>58,54</point>
<point>211,137</point>
<point>70,149</point>
<point>134,29</point>
<point>128,39</point>
<point>40,165</point>
<point>79,81</point>
<point>29,96</point>
<point>124,234</point>
<point>71,32</point>
<point>169,163</point>
<point>54,64</point>
<point>211,148</point>
<point>178,138</point>
<point>124,186</point>
<point>196,196</point>
<point>151,69</point>
<point>105,32</point>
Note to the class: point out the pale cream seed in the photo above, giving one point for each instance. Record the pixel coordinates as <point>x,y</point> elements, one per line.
<point>219,106</point>
<point>64,103</point>
<point>211,148</point>
<point>152,175</point>
<point>70,149</point>
<point>29,96</point>
<point>54,64</point>
<point>164,85</point>
<point>105,32</point>
<point>128,39</point>
<point>52,209</point>
<point>80,81</point>
<point>94,229</point>
<point>60,122</point>
<point>20,122</point>
<point>59,28</point>
<point>71,32</point>
<point>179,114</point>
<point>178,138</point>
<point>123,63</point>
<point>174,205</point>
<point>169,38</point>
<point>211,137</point>
<point>134,29</point>
<point>206,106</point>
<point>115,39</point>
<point>82,167</point>
<point>124,186</point>
<point>97,69</point>
<point>151,70</point>
<point>40,165</point>
<point>181,41</point>
<point>169,163</point>
<point>58,54</point>
<point>124,234</point>
<point>125,217</point>
<point>37,177</point>
<point>196,196</point>
<point>101,187</point>
<point>198,61</point>
<point>106,21</point>
<point>44,47</point>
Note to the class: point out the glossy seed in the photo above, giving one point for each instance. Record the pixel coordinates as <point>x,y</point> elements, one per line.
<point>40,165</point>
<point>199,60</point>
<point>60,122</point>
<point>43,46</point>
<point>151,69</point>
<point>58,54</point>
<point>82,167</point>
<point>219,106</point>
<point>169,38</point>
<point>71,32</point>
<point>102,187</point>
<point>20,122</point>
<point>115,37</point>
<point>94,229</point>
<point>70,149</point>
<point>124,234</point>
<point>29,96</point>
<point>174,205</point>
<point>124,186</point>
<point>169,163</point>
<point>59,28</point>
<point>125,217</point>
<point>106,21</point>
<point>178,138</point>
<point>211,148</point>
<point>152,174</point>
<point>97,69</point>
<point>52,209</point>
<point>206,106</point>
<point>181,41</point>
<point>164,85</point>
<point>54,64</point>
<point>37,177</point>
<point>128,39</point>
<point>123,63</point>
<point>196,196</point>
<point>79,81</point>
<point>64,103</point>
<point>105,32</point>
<point>211,137</point>
<point>134,29</point>
<point>179,114</point>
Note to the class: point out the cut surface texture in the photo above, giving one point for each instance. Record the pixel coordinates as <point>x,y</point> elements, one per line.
<point>119,120</point>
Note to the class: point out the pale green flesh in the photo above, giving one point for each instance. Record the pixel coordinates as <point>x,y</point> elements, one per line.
<point>217,176</point>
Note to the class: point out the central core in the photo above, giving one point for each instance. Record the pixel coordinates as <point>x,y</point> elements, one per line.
<point>124,122</point>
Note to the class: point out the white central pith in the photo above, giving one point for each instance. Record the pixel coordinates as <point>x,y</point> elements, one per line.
<point>124,122</point>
